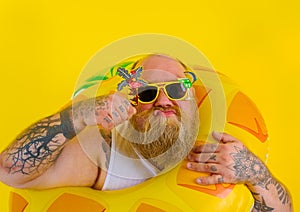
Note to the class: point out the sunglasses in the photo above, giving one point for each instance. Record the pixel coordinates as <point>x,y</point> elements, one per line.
<point>174,90</point>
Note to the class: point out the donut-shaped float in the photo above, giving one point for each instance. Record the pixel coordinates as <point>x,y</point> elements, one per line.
<point>176,189</point>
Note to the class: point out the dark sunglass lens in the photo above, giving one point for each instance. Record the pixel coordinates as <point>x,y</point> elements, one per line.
<point>147,93</point>
<point>176,90</point>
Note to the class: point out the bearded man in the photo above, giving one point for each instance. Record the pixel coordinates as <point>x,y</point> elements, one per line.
<point>106,143</point>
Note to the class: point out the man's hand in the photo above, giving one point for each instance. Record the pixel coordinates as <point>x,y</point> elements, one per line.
<point>228,161</point>
<point>107,111</point>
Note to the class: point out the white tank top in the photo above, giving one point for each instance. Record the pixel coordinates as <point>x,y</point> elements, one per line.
<point>124,172</point>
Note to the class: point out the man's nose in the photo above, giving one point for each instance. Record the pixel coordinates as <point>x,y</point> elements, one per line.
<point>162,100</point>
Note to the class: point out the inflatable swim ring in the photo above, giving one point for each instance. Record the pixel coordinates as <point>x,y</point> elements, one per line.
<point>175,190</point>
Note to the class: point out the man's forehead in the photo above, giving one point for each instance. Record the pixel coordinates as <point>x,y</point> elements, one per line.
<point>161,62</point>
<point>162,67</point>
<point>158,75</point>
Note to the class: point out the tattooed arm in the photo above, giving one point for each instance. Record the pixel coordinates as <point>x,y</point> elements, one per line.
<point>49,148</point>
<point>231,162</point>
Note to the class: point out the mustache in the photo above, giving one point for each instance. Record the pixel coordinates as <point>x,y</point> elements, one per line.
<point>141,120</point>
<point>160,108</point>
<point>176,108</point>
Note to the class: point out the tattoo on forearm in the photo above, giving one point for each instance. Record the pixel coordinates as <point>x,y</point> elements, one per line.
<point>261,206</point>
<point>67,125</point>
<point>37,147</point>
<point>282,193</point>
<point>247,166</point>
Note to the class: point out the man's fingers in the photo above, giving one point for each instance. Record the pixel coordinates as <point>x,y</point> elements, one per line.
<point>223,137</point>
<point>204,167</point>
<point>206,148</point>
<point>107,122</point>
<point>203,157</point>
<point>121,109</point>
<point>210,180</point>
<point>131,111</point>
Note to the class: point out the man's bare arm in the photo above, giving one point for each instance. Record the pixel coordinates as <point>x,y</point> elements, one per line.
<point>34,150</point>
<point>37,148</point>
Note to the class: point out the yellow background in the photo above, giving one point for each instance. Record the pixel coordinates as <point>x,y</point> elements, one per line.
<point>45,45</point>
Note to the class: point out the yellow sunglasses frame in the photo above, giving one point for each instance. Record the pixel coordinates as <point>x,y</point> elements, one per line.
<point>184,81</point>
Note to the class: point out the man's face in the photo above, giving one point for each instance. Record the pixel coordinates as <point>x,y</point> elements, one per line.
<point>165,130</point>
<point>161,69</point>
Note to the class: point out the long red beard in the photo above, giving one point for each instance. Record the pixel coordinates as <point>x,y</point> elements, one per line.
<point>164,135</point>
<point>162,141</point>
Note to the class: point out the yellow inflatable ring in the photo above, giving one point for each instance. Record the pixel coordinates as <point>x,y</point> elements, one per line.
<point>175,190</point>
